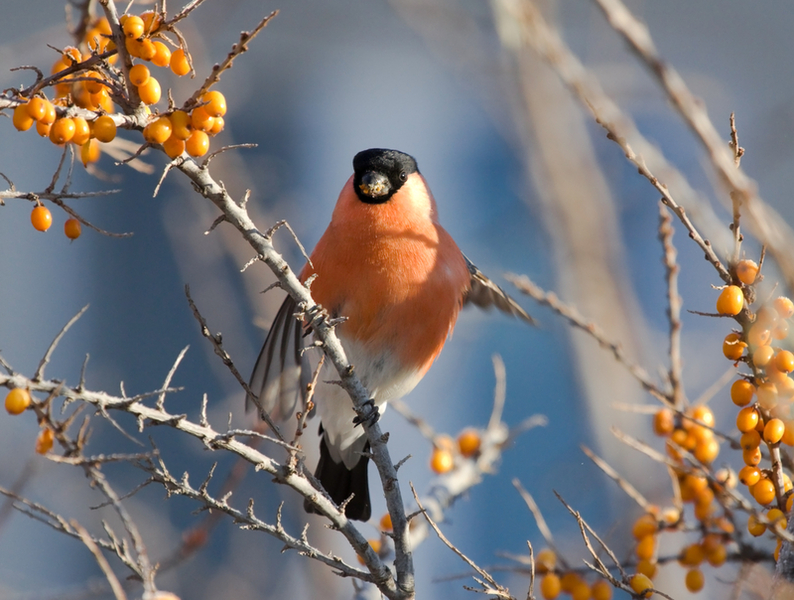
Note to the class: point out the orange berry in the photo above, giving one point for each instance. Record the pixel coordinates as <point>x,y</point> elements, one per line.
<point>89,152</point>
<point>217,126</point>
<point>36,108</point>
<point>150,91</point>
<point>663,422</point>
<point>747,419</point>
<point>703,414</point>
<point>103,101</point>
<point>788,434</point>
<point>17,400</point>
<point>639,583</point>
<point>62,131</point>
<point>375,545</point>
<point>441,461</point>
<point>763,355</point>
<point>132,26</point>
<point>159,130</point>
<point>694,580</point>
<point>49,113</point>
<point>750,440</point>
<point>201,120</point>
<point>784,307</point>
<point>647,568</point>
<point>180,122</point>
<point>82,133</point>
<point>568,581</point>
<point>733,346</point>
<point>71,55</point>
<point>759,335</point>
<point>755,527</point>
<point>784,361</point>
<point>773,431</point>
<point>646,547</point>
<point>601,590</point>
<point>707,450</point>
<point>197,144</point>
<point>162,54</point>
<point>581,591</point>
<point>550,586</point>
<point>692,555</point>
<point>139,75</point>
<point>644,526</point>
<point>216,103</point>
<point>764,492</point>
<point>93,87</point>
<point>44,440</point>
<point>789,503</point>
<point>385,522</point>
<point>716,557</point>
<point>151,21</point>
<point>767,395</point>
<point>469,442</point>
<point>752,457</point>
<point>730,301</point>
<point>22,119</point>
<point>747,271</point>
<point>104,129</point>
<point>43,129</point>
<point>72,228</point>
<point>776,518</point>
<point>173,146</point>
<point>545,561</point>
<point>41,218</point>
<point>179,63</point>
<point>780,332</point>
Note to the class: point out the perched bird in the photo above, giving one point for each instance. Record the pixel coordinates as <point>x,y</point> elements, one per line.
<point>399,279</point>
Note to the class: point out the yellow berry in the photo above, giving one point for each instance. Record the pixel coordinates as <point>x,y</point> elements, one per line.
<point>216,103</point>
<point>139,75</point>
<point>545,561</point>
<point>82,132</point>
<point>62,131</point>
<point>41,218</point>
<point>159,130</point>
<point>762,355</point>
<point>647,568</point>
<point>646,547</point>
<point>179,63</point>
<point>441,460</point>
<point>469,442</point>
<point>747,419</point>
<point>767,395</point>
<point>784,361</point>
<point>104,129</point>
<point>150,91</point>
<point>89,152</point>
<point>44,440</point>
<point>162,54</point>
<point>776,518</point>
<point>569,581</point>
<point>707,450</point>
<point>644,526</point>
<point>752,458</point>
<point>49,113</point>
<point>581,591</point>
<point>717,556</point>
<point>22,119</point>
<point>663,422</point>
<point>759,335</point>
<point>43,129</point>
<point>747,271</point>
<point>773,431</point>
<point>764,492</point>
<point>694,580</point>
<point>173,146</point>
<point>750,440</point>
<point>755,527</point>
<point>784,307</point>
<point>692,555</point>
<point>17,401</point>
<point>132,26</point>
<point>197,144</point>
<point>730,301</point>
<point>780,332</point>
<point>151,21</point>
<point>201,120</point>
<point>72,228</point>
<point>550,586</point>
<point>601,590</point>
<point>640,583</point>
<point>217,126</point>
<point>180,122</point>
<point>733,346</point>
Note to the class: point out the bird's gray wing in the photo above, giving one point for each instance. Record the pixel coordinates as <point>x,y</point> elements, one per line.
<point>485,294</point>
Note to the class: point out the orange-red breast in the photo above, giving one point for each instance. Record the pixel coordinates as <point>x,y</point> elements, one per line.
<point>398,277</point>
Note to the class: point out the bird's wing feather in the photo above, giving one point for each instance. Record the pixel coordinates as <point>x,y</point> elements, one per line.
<point>281,372</point>
<point>485,294</point>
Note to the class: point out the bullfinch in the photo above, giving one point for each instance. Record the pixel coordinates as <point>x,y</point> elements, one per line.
<point>397,277</point>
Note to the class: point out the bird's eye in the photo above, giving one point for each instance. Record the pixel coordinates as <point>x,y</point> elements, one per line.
<point>403,175</point>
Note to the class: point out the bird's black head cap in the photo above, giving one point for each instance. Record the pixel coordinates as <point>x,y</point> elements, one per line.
<point>379,173</point>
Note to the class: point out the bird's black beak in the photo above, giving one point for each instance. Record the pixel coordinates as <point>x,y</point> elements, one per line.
<point>374,184</point>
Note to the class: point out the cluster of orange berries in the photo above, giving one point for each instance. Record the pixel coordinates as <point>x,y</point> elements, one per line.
<point>17,401</point>
<point>555,582</point>
<point>92,86</point>
<point>446,450</point>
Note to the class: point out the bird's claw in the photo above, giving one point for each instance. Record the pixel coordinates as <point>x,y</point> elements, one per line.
<point>372,414</point>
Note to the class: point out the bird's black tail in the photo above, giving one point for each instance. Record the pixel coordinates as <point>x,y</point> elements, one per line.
<point>340,482</point>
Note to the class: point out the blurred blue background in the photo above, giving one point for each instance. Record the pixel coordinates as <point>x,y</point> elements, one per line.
<point>322,82</point>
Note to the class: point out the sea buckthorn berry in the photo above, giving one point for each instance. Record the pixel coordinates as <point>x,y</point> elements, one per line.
<point>62,131</point>
<point>784,361</point>
<point>776,518</point>
<point>644,526</point>
<point>703,414</point>
<point>752,457</point>
<point>767,395</point>
<point>764,492</point>
<point>601,590</point>
<point>104,129</point>
<point>82,133</point>
<point>180,122</point>
<point>646,547</point>
<point>216,103</point>
<point>179,63</point>
<point>151,21</point>
<point>647,568</point>
<point>692,555</point>
<point>717,556</point>
<point>41,218</point>
<point>375,545</point>
<point>568,581</point>
<point>663,422</point>
<point>545,561</point>
<point>44,440</point>
<point>707,450</point>
<point>773,431</point>
<point>747,271</point>
<point>441,461</point>
<point>763,355</point>
<point>93,87</point>
<point>49,114</point>
<point>150,92</point>
<point>784,307</point>
<point>173,146</point>
<point>159,130</point>
<point>197,144</point>
<point>780,332</point>
<point>139,75</point>
<point>730,301</point>
<point>385,522</point>
<point>162,54</point>
<point>103,101</point>
<point>581,591</point>
<point>550,586</point>
<point>696,483</point>
<point>747,419</point>
<point>22,119</point>
<point>755,527</point>
<point>789,503</point>
<point>217,126</point>
<point>17,400</point>
<point>201,120</point>
<point>132,26</point>
<point>89,152</point>
<point>43,129</point>
<point>733,346</point>
<point>759,335</point>
<point>640,583</point>
<point>788,435</point>
<point>750,440</point>
<point>72,228</point>
<point>694,580</point>
<point>36,108</point>
<point>766,315</point>
<point>469,442</point>
<point>71,55</point>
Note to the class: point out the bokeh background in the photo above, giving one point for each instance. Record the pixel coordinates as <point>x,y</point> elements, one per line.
<point>322,82</point>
